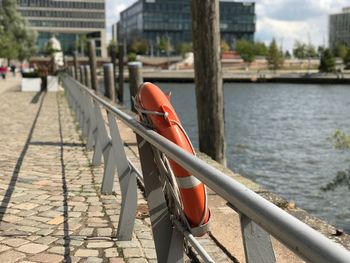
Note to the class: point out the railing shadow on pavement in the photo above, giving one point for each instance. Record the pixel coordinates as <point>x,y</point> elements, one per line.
<point>11,186</point>
<point>258,217</point>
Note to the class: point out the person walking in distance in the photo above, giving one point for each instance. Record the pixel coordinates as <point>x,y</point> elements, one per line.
<point>3,71</point>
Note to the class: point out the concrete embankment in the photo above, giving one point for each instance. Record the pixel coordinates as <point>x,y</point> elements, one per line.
<point>301,77</point>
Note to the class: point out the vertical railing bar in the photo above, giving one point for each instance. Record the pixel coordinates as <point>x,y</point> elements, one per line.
<point>127,182</point>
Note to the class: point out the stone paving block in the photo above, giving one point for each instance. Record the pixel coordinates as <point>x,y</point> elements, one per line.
<point>132,252</point>
<point>57,250</point>
<point>86,253</point>
<point>56,221</point>
<point>3,248</point>
<point>111,252</point>
<point>106,232</point>
<point>11,256</point>
<point>99,244</point>
<point>93,260</point>
<point>26,206</point>
<point>47,258</point>
<point>116,260</point>
<point>15,242</point>
<point>136,260</point>
<point>86,231</point>
<point>32,248</point>
<point>150,253</point>
<point>46,240</point>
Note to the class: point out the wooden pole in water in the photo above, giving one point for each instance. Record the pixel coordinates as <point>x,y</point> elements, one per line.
<point>93,65</point>
<point>108,72</point>
<point>121,73</point>
<point>82,74</point>
<point>135,80</point>
<point>75,64</point>
<point>208,78</point>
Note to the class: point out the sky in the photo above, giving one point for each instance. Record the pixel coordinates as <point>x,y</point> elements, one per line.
<point>284,20</point>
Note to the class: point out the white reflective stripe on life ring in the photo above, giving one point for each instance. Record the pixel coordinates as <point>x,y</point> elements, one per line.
<point>187,182</point>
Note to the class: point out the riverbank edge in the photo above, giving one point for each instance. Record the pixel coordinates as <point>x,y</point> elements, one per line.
<point>290,207</point>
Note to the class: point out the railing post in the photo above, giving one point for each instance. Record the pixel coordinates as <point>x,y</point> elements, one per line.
<point>135,80</point>
<point>127,182</point>
<point>93,65</point>
<point>103,147</point>
<point>87,76</point>
<point>109,81</point>
<point>121,73</point>
<point>75,64</point>
<point>256,241</point>
<point>82,74</point>
<point>168,240</point>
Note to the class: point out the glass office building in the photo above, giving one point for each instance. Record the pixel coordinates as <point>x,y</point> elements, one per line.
<point>153,19</point>
<point>69,21</point>
<point>339,28</point>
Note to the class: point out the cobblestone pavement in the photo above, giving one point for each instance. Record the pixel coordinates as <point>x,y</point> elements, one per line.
<point>51,208</point>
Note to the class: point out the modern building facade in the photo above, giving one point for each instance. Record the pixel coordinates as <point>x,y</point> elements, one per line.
<point>154,19</point>
<point>114,32</point>
<point>339,28</point>
<point>71,22</point>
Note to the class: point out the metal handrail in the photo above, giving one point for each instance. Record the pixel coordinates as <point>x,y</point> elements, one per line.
<point>296,235</point>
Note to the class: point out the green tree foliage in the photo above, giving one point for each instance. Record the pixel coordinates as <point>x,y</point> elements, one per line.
<point>304,51</point>
<point>299,50</point>
<point>274,57</point>
<point>346,60</point>
<point>164,45</point>
<point>246,50</point>
<point>224,46</point>
<point>261,49</point>
<point>184,48</point>
<point>139,46</point>
<point>327,62</point>
<point>17,39</point>
<point>287,54</point>
<point>341,141</point>
<point>112,48</point>
<point>341,50</point>
<point>81,44</point>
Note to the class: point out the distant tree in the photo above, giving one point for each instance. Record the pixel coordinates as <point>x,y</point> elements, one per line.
<point>17,38</point>
<point>311,51</point>
<point>300,50</point>
<point>341,50</point>
<point>346,60</point>
<point>261,49</point>
<point>246,50</point>
<point>320,50</point>
<point>327,61</point>
<point>132,56</point>
<point>164,45</point>
<point>140,46</point>
<point>287,54</point>
<point>224,46</point>
<point>81,44</point>
<point>112,48</point>
<point>184,48</point>
<point>274,58</point>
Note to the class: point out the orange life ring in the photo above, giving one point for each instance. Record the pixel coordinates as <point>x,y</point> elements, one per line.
<point>193,193</point>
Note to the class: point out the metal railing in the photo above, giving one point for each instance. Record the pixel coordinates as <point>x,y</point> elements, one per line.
<point>259,218</point>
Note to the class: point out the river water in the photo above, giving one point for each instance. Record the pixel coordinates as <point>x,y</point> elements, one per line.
<point>278,135</point>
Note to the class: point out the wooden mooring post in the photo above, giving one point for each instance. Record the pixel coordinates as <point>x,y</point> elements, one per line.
<point>93,65</point>
<point>108,72</point>
<point>208,78</point>
<point>135,80</point>
<point>121,73</point>
<point>75,64</point>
